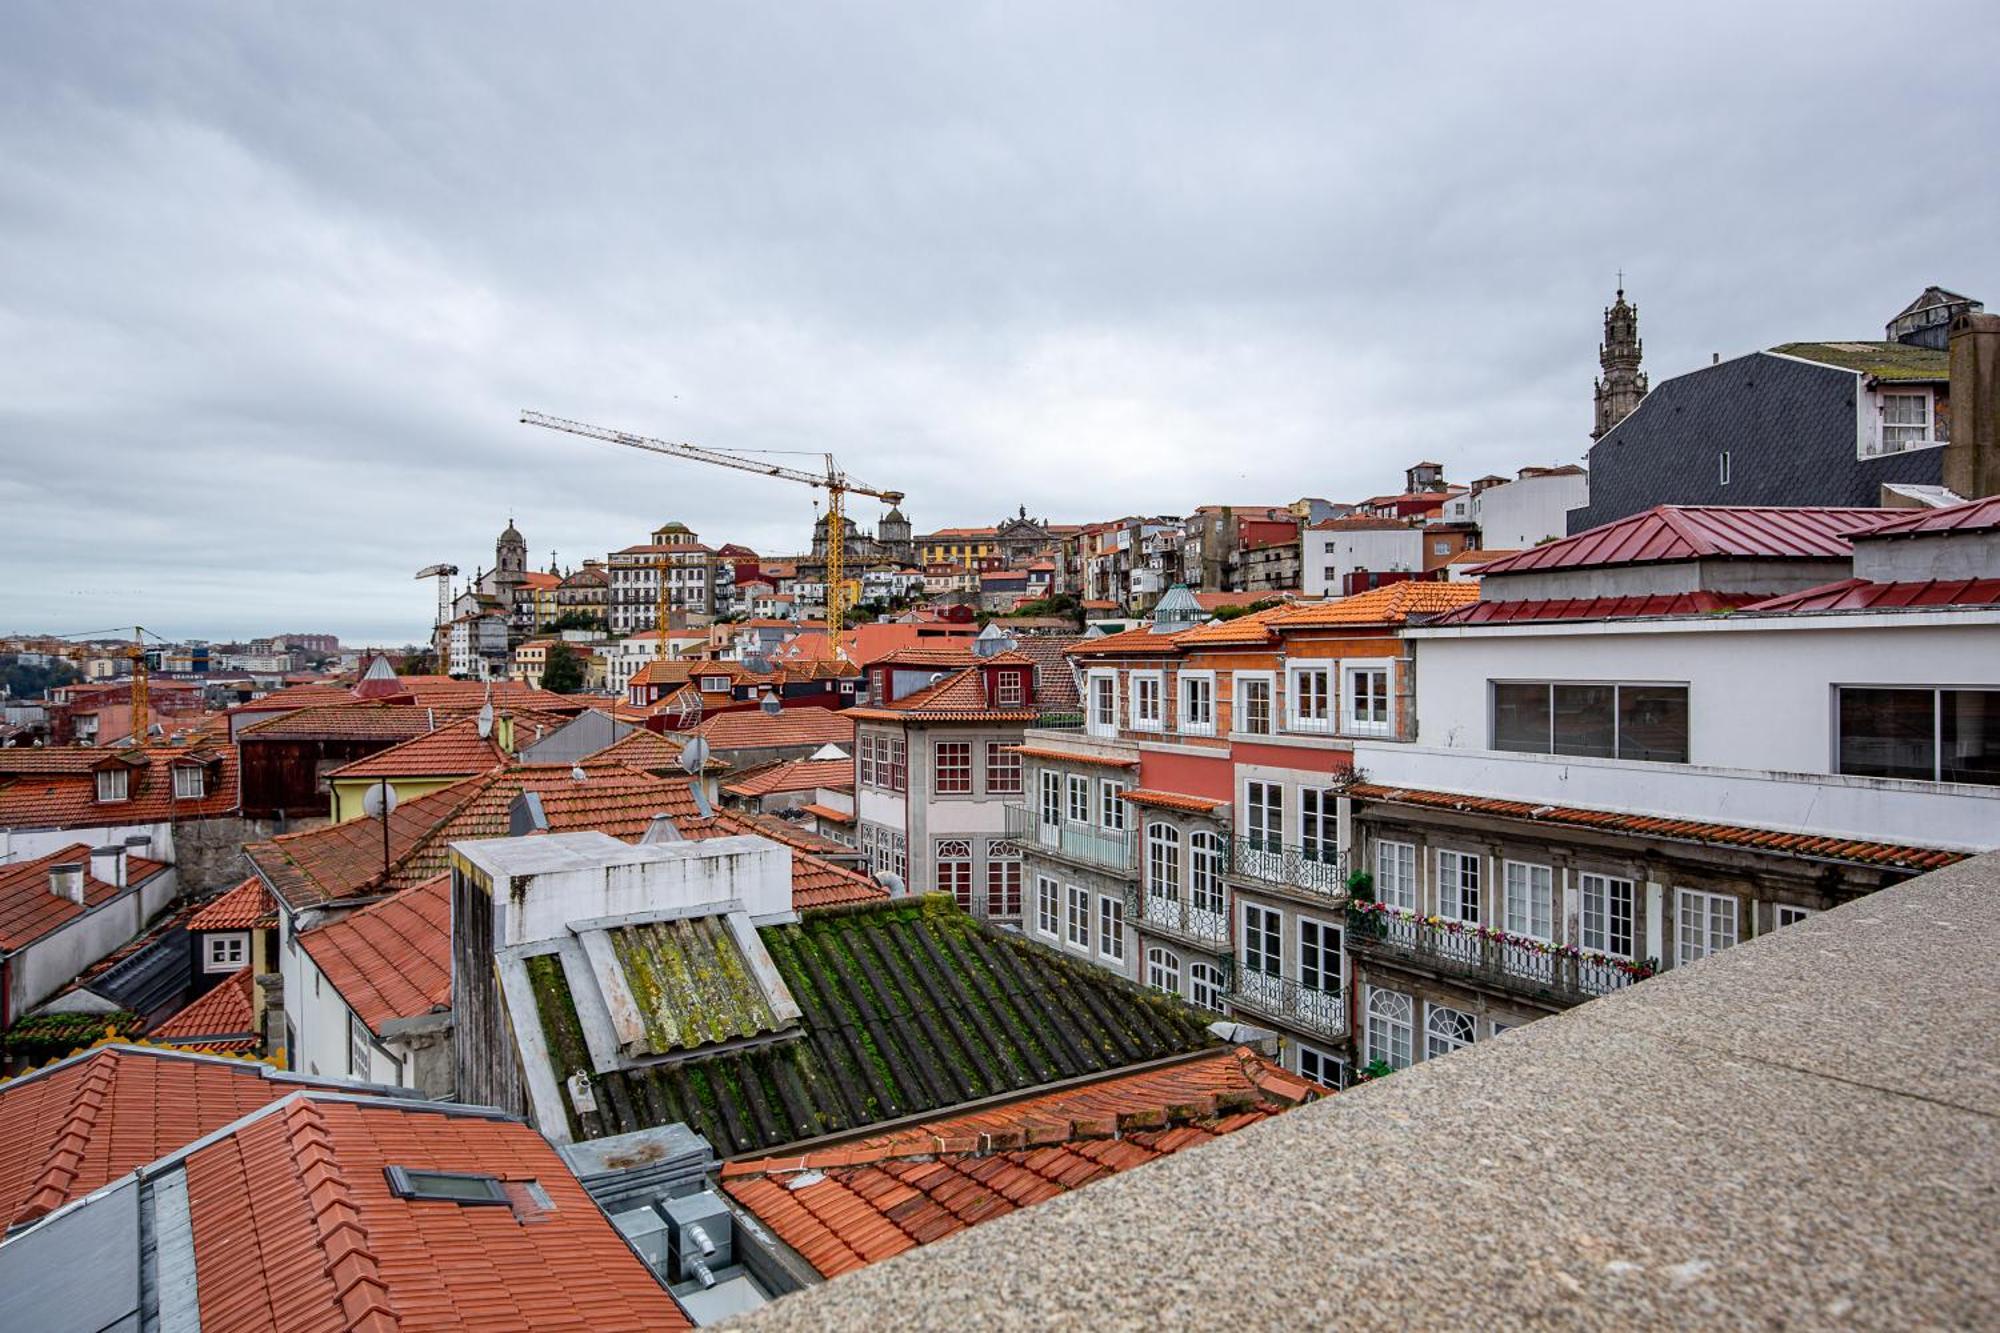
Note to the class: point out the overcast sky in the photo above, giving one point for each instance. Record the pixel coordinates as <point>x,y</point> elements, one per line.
<point>275,282</point>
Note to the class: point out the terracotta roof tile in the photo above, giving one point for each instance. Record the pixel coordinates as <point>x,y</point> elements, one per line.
<point>1171,800</point>
<point>29,910</point>
<point>1131,643</point>
<point>754,729</point>
<point>797,775</point>
<point>223,1019</point>
<point>1074,756</point>
<point>454,750</point>
<point>352,720</point>
<point>245,907</point>
<point>391,960</point>
<point>1811,845</point>
<point>1390,604</point>
<point>69,800</point>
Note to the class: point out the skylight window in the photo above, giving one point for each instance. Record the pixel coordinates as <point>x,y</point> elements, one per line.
<point>444,1186</point>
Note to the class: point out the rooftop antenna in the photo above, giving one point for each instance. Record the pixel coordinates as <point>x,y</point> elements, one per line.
<point>379,802</point>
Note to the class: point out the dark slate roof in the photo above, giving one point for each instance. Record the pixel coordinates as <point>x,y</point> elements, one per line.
<point>1885,361</point>
<point>908,1007</point>
<point>1788,425</point>
<point>152,978</point>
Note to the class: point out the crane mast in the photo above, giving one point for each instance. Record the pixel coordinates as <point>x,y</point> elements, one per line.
<point>834,482</point>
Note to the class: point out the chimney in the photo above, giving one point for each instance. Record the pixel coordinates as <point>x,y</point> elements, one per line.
<point>1972,459</point>
<point>107,863</point>
<point>139,845</point>
<point>66,881</point>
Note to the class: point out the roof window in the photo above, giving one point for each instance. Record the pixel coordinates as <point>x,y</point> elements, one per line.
<point>444,1186</point>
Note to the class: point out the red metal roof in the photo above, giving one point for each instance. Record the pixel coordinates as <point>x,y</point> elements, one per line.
<point>1699,532</point>
<point>1812,845</point>
<point>1861,595</point>
<point>848,1205</point>
<point>1594,608</point>
<point>1972,516</point>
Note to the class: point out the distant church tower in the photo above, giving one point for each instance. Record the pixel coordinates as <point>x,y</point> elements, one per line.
<point>1624,384</point>
<point>510,555</point>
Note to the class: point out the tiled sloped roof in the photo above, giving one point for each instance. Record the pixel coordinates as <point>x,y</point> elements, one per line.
<point>343,721</point>
<point>295,1227</point>
<point>67,761</point>
<point>76,1125</point>
<point>1365,522</point>
<point>1245,630</point>
<point>1595,608</point>
<point>297,696</point>
<point>1861,595</point>
<point>796,775</point>
<point>1171,800</point>
<point>245,907</point>
<point>28,910</point>
<point>469,695</point>
<point>908,1006</point>
<point>345,860</point>
<point>1390,604</point>
<point>1055,679</point>
<point>1667,533</point>
<point>1075,756</point>
<point>453,750</point>
<point>1140,642</point>
<point>1883,360</point>
<point>224,1019</point>
<point>754,729</point>
<point>69,800</point>
<point>959,697</point>
<point>1812,845</point>
<point>646,750</point>
<point>390,960</point>
<point>827,812</point>
<point>929,653</point>
<point>1478,557</point>
<point>851,1204</point>
<point>1972,516</point>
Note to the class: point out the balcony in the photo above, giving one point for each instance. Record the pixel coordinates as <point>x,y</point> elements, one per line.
<point>1320,1012</point>
<point>1203,927</point>
<point>1554,973</point>
<point>1083,844</point>
<point>1318,874</point>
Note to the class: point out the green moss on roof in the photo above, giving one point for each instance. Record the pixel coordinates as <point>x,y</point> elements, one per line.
<point>1887,361</point>
<point>908,1006</point>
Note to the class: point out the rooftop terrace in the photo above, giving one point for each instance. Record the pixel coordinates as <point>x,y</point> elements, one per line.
<point>1802,1131</point>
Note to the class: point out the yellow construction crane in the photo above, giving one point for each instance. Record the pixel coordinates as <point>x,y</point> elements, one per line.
<point>835,483</point>
<point>141,720</point>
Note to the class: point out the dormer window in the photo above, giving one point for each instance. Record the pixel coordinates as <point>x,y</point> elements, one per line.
<point>714,684</point>
<point>1007,691</point>
<point>190,784</point>
<point>113,784</point>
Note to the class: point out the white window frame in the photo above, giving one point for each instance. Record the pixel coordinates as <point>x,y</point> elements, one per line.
<point>1397,890</point>
<point>1111,928</point>
<point>1239,712</point>
<point>1076,917</point>
<point>1048,907</point>
<point>1701,938</point>
<point>1101,722</point>
<point>1263,940</point>
<point>1009,689</point>
<point>1326,939</point>
<point>1447,1029</point>
<point>1926,429</point>
<point>1351,698</point>
<point>1260,831</point>
<point>1390,1016</point>
<point>1319,721</point>
<point>1077,807</point>
<point>1789,914</point>
<point>190,783</point>
<point>1195,691</point>
<point>1163,970</point>
<point>1049,785</point>
<point>1326,1069</point>
<point>225,952</point>
<point>113,784</point>
<point>1111,816</point>
<point>1155,718</point>
<point>1207,988</point>
<point>1597,919</point>
<point>1163,860</point>
<point>1528,899</point>
<point>1451,885</point>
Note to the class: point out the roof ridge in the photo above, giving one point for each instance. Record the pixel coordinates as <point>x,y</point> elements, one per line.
<point>356,1274</point>
<point>65,1160</point>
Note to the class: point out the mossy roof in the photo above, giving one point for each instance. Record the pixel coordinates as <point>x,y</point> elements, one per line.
<point>1883,360</point>
<point>907,1007</point>
<point>691,984</point>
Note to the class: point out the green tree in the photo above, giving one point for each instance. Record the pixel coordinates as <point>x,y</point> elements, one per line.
<point>574,619</point>
<point>562,673</point>
<point>25,681</point>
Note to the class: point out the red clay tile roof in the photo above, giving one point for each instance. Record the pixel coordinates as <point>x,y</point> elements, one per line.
<point>224,1019</point>
<point>1130,643</point>
<point>1812,845</point>
<point>28,910</point>
<point>1697,532</point>
<point>343,721</point>
<point>69,800</point>
<point>295,1227</point>
<point>345,860</point>
<point>797,775</point>
<point>1171,800</point>
<point>827,812</point>
<point>1861,595</point>
<point>446,694</point>
<point>1364,522</point>
<point>67,761</point>
<point>297,696</point>
<point>1246,630</point>
<point>78,1124</point>
<point>959,697</point>
<point>1390,604</point>
<point>454,750</point>
<point>391,960</point>
<point>853,1203</point>
<point>1073,756</point>
<point>1972,516</point>
<point>929,654</point>
<point>248,906</point>
<point>1594,608</point>
<point>1478,557</point>
<point>753,729</point>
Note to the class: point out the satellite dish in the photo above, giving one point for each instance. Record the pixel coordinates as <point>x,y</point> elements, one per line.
<point>379,801</point>
<point>486,719</point>
<point>694,756</point>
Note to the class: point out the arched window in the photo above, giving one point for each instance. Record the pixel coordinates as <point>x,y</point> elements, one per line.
<point>1163,861</point>
<point>1445,1030</point>
<point>1206,986</point>
<point>1205,872</point>
<point>1389,1028</point>
<point>1163,971</point>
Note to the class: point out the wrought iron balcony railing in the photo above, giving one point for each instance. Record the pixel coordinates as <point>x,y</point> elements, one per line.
<point>1320,872</point>
<point>1315,1009</point>
<point>1555,972</point>
<point>1202,924</point>
<point>1088,844</point>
